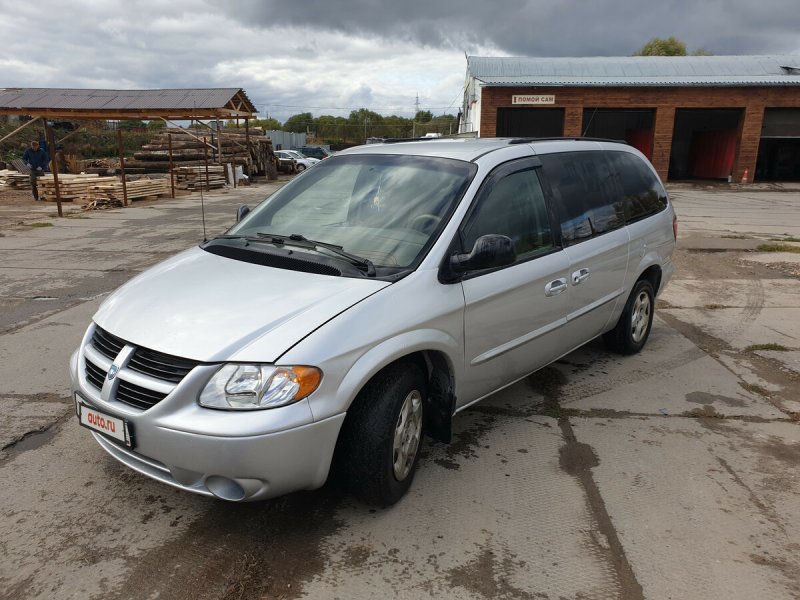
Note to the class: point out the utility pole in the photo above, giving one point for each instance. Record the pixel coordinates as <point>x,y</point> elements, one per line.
<point>414,122</point>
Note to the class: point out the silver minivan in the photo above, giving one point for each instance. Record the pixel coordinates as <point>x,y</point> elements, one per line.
<point>365,304</point>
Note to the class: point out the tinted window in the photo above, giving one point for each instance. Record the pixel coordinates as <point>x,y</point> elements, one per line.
<point>584,190</point>
<point>513,206</point>
<point>644,194</point>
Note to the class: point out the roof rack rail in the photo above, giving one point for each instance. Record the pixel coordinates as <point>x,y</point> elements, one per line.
<point>563,138</point>
<point>411,139</point>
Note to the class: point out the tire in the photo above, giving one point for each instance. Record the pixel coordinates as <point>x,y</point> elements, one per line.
<point>380,443</point>
<point>301,168</point>
<point>634,325</point>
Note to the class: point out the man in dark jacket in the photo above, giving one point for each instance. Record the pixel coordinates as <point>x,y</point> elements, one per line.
<point>36,159</point>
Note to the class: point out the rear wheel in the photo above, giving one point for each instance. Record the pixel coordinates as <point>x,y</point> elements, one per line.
<point>301,168</point>
<point>631,332</point>
<point>382,435</point>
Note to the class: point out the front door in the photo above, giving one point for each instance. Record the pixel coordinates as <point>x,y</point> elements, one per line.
<point>513,314</point>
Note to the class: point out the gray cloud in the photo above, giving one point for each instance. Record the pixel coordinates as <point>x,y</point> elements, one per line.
<point>329,57</point>
<point>545,27</point>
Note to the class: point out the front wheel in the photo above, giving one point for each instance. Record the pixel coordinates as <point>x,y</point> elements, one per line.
<point>633,328</point>
<point>382,435</point>
<point>301,168</point>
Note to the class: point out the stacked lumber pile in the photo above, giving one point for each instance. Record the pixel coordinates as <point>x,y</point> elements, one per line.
<point>71,187</point>
<point>194,178</point>
<point>15,179</point>
<point>141,188</point>
<point>189,150</point>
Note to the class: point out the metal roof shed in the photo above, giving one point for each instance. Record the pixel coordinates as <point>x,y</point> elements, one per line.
<point>90,104</point>
<point>55,103</point>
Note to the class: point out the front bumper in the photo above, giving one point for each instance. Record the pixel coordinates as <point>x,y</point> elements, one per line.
<point>237,456</point>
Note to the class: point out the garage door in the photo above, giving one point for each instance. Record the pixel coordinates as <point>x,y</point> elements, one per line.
<point>530,122</point>
<point>779,150</point>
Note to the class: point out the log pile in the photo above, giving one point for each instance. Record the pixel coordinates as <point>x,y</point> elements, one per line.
<point>71,187</point>
<point>141,188</point>
<point>194,178</point>
<point>15,179</point>
<point>190,150</point>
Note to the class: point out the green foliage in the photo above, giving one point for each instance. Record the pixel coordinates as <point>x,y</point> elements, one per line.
<point>423,116</point>
<point>156,124</point>
<point>670,46</point>
<point>132,124</point>
<point>266,124</point>
<point>299,123</point>
<point>364,123</point>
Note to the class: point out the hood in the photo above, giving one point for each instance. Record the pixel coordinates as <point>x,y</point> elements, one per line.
<point>209,308</point>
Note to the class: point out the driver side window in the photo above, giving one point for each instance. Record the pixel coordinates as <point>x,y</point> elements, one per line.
<point>513,206</point>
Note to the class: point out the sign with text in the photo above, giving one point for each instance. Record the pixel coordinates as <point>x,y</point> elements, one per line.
<point>533,99</point>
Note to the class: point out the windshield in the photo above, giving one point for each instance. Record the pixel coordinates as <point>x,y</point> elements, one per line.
<point>386,209</point>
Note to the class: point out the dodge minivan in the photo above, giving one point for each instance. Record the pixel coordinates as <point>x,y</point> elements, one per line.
<point>366,303</point>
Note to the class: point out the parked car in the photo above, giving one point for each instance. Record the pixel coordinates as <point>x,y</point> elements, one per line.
<point>302,162</point>
<point>299,155</point>
<point>367,303</point>
<point>313,152</point>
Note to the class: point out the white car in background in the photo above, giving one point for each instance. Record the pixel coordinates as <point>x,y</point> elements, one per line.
<point>303,162</point>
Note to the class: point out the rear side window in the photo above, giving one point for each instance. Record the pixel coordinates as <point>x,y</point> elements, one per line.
<point>583,187</point>
<point>643,192</point>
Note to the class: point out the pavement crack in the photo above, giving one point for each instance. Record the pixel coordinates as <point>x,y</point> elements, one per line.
<point>578,459</point>
<point>36,438</point>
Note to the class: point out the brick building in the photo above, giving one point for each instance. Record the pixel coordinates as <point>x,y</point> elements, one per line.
<point>695,117</point>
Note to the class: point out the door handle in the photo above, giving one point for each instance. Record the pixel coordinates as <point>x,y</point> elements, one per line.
<point>580,275</point>
<point>555,287</point>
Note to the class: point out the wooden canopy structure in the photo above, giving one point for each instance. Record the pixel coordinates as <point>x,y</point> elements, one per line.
<point>121,105</point>
<point>174,104</point>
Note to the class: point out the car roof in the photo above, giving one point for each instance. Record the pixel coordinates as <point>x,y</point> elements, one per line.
<point>469,149</point>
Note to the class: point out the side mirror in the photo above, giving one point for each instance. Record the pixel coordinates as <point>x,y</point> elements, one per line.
<point>489,251</point>
<point>242,212</point>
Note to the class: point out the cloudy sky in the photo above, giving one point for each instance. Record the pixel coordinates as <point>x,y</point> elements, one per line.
<point>334,56</point>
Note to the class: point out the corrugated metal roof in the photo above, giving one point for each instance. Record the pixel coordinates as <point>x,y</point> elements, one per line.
<point>637,70</point>
<point>120,100</point>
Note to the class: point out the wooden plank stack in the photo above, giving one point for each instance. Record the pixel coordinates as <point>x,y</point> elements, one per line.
<point>194,178</point>
<point>14,179</point>
<point>71,187</point>
<point>140,188</point>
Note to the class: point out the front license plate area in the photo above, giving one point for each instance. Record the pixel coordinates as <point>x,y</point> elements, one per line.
<point>114,428</point>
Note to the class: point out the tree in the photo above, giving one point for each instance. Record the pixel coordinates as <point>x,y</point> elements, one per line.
<point>131,124</point>
<point>156,124</point>
<point>423,116</point>
<point>670,46</point>
<point>266,124</point>
<point>299,123</point>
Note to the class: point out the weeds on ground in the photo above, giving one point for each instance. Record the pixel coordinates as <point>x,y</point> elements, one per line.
<point>715,306</point>
<point>738,237</point>
<point>40,224</point>
<point>770,346</point>
<point>778,248</point>
<point>785,239</point>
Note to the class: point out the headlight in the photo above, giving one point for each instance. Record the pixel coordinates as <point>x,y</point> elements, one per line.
<point>252,387</point>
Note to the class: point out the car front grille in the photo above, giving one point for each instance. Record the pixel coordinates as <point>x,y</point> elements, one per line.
<point>108,345</point>
<point>163,368</point>
<point>94,375</point>
<point>137,396</point>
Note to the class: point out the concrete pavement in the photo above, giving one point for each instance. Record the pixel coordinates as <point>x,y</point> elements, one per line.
<point>670,474</point>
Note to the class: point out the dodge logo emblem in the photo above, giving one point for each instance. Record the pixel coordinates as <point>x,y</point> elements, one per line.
<point>112,372</point>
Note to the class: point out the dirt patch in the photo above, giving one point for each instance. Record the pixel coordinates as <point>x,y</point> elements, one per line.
<point>488,576</point>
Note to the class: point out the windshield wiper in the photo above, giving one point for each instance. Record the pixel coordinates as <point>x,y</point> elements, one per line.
<point>301,241</point>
